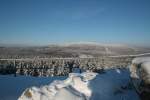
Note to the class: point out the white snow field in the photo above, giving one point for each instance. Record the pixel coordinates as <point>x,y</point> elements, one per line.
<point>111,85</point>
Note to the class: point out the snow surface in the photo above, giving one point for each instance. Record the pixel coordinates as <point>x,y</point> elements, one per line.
<point>112,85</point>
<point>12,87</point>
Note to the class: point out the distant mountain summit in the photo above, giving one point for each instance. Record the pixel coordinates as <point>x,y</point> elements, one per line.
<point>88,43</point>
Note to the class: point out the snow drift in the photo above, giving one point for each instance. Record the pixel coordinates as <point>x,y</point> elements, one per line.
<point>112,85</point>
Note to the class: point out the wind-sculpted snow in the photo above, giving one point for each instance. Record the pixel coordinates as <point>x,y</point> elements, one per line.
<point>112,85</point>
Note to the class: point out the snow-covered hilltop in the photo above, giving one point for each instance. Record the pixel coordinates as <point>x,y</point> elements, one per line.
<point>112,85</point>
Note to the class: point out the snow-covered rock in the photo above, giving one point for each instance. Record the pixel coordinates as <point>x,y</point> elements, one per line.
<point>140,66</point>
<point>140,73</point>
<point>112,85</point>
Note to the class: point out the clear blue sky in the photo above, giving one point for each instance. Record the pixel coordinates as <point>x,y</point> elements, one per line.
<point>41,22</point>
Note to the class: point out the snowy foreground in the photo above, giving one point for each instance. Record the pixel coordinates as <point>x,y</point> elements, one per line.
<point>112,85</point>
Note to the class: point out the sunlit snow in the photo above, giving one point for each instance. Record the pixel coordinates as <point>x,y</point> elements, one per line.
<point>111,85</point>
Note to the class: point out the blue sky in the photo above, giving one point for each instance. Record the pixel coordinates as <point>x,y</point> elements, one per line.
<point>41,22</point>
